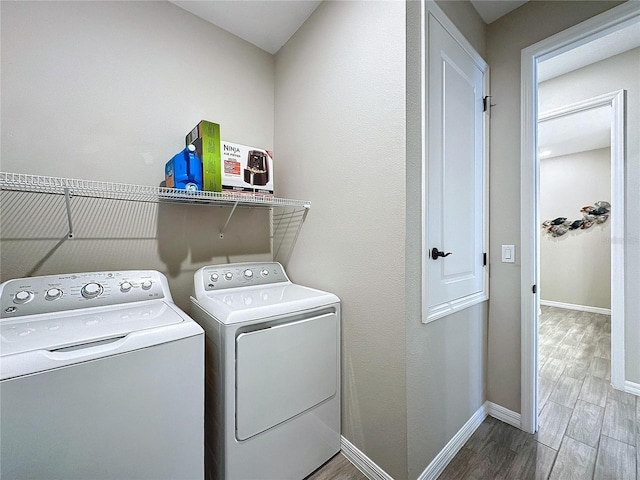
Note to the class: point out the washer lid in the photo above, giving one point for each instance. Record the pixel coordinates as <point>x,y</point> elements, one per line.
<point>251,303</point>
<point>53,332</point>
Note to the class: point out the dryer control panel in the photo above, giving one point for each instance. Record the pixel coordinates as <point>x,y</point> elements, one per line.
<point>56,293</point>
<point>220,277</point>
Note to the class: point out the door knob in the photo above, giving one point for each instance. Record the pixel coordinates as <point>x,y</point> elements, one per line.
<point>435,253</point>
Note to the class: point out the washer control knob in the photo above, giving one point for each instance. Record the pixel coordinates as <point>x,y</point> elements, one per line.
<point>264,272</point>
<point>248,274</point>
<point>91,290</point>
<point>53,294</point>
<point>146,284</point>
<point>22,296</point>
<point>125,287</point>
<point>214,277</point>
<point>228,276</point>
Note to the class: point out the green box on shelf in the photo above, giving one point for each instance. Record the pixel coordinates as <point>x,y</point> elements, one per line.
<point>206,138</point>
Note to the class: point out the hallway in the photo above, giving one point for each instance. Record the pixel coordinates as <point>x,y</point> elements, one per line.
<point>587,430</point>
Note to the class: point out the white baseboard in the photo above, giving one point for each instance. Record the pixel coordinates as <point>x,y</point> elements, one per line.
<point>503,414</point>
<point>571,306</point>
<point>373,472</point>
<point>632,387</point>
<point>363,463</point>
<point>438,464</point>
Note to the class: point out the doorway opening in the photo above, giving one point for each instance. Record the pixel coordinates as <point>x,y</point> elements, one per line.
<point>597,28</point>
<point>577,164</point>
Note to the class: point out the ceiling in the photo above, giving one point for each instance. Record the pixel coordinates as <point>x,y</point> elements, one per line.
<point>491,10</point>
<point>246,18</point>
<point>267,24</point>
<point>577,132</point>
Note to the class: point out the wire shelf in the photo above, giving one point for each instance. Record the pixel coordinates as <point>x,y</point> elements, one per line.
<point>286,215</point>
<point>141,193</point>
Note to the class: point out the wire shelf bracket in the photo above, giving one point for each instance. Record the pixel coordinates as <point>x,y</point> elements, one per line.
<point>67,202</point>
<point>235,205</point>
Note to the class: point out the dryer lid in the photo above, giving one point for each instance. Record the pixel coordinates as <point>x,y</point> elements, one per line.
<point>251,303</point>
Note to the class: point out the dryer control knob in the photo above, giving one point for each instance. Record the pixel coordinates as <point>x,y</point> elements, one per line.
<point>125,287</point>
<point>214,277</point>
<point>228,276</point>
<point>91,290</point>
<point>264,272</point>
<point>248,273</point>
<point>146,284</point>
<point>53,294</point>
<point>22,297</point>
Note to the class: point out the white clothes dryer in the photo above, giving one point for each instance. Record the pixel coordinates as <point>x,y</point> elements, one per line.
<point>101,377</point>
<point>272,390</point>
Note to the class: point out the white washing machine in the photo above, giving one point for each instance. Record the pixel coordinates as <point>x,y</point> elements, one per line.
<point>101,377</point>
<point>272,389</point>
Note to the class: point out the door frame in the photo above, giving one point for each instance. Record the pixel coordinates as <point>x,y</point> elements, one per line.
<point>596,27</point>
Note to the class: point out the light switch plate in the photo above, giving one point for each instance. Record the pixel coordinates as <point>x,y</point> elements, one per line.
<point>508,254</point>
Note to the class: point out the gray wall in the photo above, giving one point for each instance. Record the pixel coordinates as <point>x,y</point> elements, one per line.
<point>89,88</point>
<point>615,73</point>
<point>446,359</point>
<point>340,138</point>
<point>467,19</point>
<point>345,99</point>
<point>575,267</point>
<point>506,37</point>
<point>107,91</point>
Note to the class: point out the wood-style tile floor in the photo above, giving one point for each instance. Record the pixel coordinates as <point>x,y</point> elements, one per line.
<point>587,430</point>
<point>338,468</point>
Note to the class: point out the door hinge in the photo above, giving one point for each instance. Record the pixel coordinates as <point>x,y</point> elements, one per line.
<point>486,103</point>
<point>534,289</point>
<point>484,259</point>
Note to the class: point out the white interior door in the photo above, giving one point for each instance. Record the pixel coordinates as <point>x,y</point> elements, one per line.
<point>455,209</point>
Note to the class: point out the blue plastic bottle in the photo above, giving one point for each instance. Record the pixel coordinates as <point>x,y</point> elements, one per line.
<point>184,170</point>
